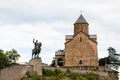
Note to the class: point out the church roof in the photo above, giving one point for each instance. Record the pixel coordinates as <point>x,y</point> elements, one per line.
<point>81,19</point>
<point>60,52</point>
<point>93,36</point>
<point>68,36</point>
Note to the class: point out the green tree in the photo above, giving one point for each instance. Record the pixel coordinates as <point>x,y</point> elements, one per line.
<point>103,61</point>
<point>12,55</point>
<point>112,60</point>
<point>53,63</point>
<point>3,60</point>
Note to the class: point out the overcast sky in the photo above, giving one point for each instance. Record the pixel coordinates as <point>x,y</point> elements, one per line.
<point>49,21</point>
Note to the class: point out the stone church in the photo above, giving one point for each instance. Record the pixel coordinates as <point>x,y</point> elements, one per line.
<point>80,48</point>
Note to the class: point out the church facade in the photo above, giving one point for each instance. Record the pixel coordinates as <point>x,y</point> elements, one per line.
<point>80,48</point>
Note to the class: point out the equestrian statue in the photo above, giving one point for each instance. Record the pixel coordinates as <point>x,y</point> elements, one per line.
<point>37,49</point>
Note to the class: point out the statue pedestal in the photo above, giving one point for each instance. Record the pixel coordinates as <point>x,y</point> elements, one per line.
<point>37,65</point>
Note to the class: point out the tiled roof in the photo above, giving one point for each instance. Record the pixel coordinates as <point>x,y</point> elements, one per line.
<point>81,19</point>
<point>92,36</point>
<point>68,36</point>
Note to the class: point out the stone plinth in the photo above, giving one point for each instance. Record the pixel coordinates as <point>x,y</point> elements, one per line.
<point>37,65</point>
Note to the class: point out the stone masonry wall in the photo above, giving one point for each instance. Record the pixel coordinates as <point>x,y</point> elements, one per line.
<point>14,72</point>
<point>84,50</point>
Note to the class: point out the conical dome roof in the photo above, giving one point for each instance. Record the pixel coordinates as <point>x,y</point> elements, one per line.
<point>81,20</point>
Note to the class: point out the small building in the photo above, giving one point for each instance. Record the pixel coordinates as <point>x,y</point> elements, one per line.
<point>80,48</point>
<point>60,58</point>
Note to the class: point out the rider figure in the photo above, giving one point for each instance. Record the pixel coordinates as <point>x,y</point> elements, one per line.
<point>37,48</point>
<point>35,44</point>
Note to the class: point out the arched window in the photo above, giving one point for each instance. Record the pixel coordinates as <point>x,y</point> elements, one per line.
<point>60,62</point>
<point>81,62</point>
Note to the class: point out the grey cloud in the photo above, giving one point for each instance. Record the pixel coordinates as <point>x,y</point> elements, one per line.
<point>42,11</point>
<point>31,12</point>
<point>9,16</point>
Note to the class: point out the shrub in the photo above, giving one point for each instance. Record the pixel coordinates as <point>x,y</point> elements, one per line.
<point>91,77</point>
<point>57,72</point>
<point>47,72</point>
<point>74,76</point>
<point>83,78</point>
<point>68,70</point>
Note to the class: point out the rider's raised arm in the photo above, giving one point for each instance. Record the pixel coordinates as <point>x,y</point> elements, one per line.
<point>33,40</point>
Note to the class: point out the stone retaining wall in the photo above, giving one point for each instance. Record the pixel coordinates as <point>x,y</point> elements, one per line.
<point>15,72</point>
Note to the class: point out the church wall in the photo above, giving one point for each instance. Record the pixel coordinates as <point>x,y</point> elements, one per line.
<point>94,45</point>
<point>77,50</point>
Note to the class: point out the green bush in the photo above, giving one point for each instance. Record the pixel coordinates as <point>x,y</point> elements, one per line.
<point>35,77</point>
<point>57,72</point>
<point>47,72</point>
<point>91,73</point>
<point>54,74</point>
<point>83,78</point>
<point>74,76</point>
<point>68,70</point>
<point>31,76</point>
<point>90,77</point>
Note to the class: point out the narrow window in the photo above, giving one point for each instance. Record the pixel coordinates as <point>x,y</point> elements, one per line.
<point>80,39</point>
<point>80,62</point>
